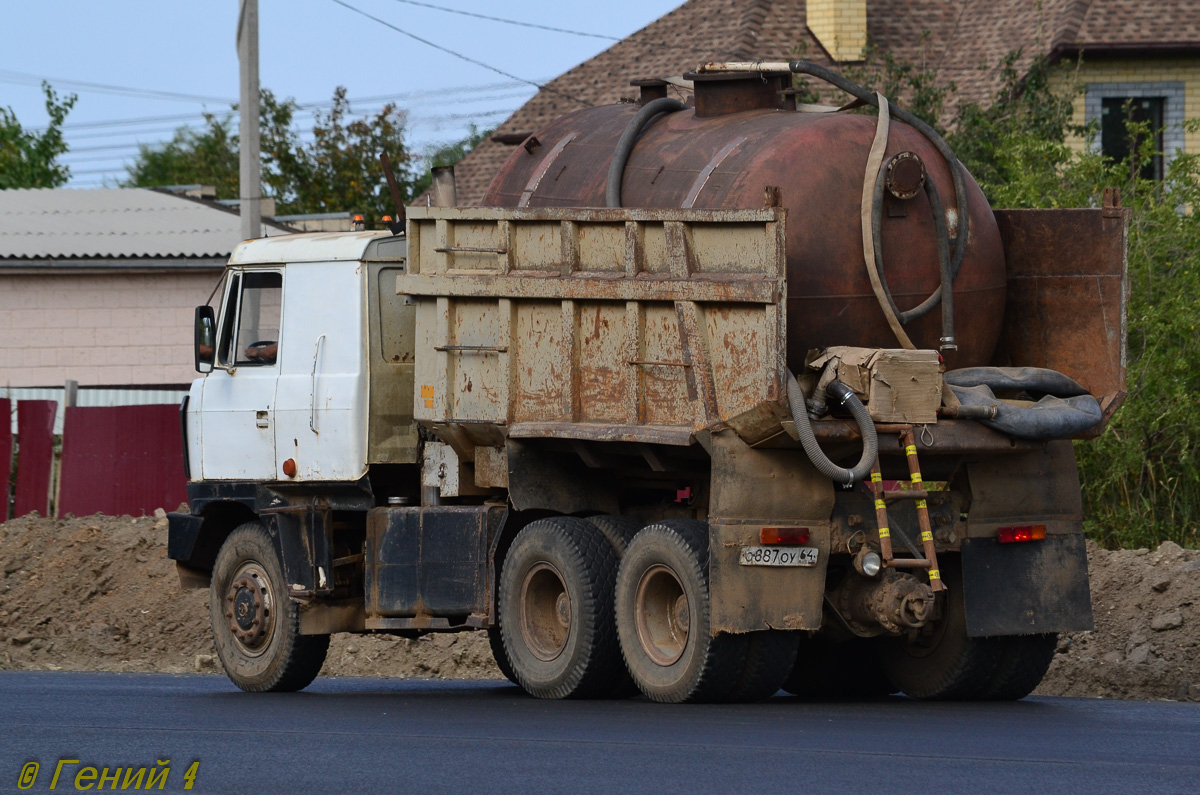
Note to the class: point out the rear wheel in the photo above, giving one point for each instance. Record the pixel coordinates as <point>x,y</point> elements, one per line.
<point>496,643</point>
<point>939,661</point>
<point>556,614</point>
<point>770,657</point>
<point>256,626</point>
<point>663,617</point>
<point>1024,660</point>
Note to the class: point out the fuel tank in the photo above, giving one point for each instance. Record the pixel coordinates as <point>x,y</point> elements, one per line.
<point>741,147</point>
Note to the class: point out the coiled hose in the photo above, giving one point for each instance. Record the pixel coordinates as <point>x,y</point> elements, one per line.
<point>844,395</point>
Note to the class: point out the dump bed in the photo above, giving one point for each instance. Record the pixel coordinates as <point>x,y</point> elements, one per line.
<point>654,325</point>
<point>628,325</point>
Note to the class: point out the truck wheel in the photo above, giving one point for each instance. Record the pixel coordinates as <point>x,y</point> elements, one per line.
<point>496,642</point>
<point>1024,660</point>
<point>619,530</point>
<point>256,627</point>
<point>555,611</point>
<point>827,671</point>
<point>663,617</point>
<point>770,657</point>
<point>939,662</point>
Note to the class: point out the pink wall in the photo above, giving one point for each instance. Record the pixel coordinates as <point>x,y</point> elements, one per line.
<point>99,329</point>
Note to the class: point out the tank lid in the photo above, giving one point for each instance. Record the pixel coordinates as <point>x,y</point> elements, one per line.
<point>720,93</point>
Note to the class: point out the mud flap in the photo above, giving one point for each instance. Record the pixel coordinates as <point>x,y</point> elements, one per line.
<point>1026,588</point>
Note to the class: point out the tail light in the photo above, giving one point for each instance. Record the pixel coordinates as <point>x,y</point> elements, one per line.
<point>783,535</point>
<point>1027,532</point>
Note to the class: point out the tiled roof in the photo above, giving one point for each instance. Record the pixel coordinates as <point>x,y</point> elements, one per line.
<point>964,41</point>
<point>114,223</point>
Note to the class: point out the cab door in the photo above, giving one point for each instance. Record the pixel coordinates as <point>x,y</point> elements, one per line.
<point>239,394</point>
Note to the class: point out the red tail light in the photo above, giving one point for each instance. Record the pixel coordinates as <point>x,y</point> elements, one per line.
<point>1028,532</point>
<point>783,535</point>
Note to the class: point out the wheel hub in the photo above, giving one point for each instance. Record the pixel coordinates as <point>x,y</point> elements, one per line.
<point>545,612</point>
<point>248,607</point>
<point>663,616</point>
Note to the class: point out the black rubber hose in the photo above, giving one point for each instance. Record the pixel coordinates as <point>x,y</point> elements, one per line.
<point>844,395</point>
<point>939,143</point>
<point>616,169</point>
<point>945,265</point>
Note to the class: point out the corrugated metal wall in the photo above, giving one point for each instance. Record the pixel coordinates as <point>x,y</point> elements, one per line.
<point>35,463</point>
<point>87,396</point>
<point>121,460</point>
<point>6,439</point>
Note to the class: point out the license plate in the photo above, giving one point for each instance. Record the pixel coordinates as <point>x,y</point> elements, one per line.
<point>779,556</point>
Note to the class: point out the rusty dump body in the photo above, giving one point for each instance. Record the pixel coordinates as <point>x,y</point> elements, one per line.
<point>584,418</point>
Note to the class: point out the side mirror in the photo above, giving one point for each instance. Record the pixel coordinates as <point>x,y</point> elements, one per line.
<point>205,339</point>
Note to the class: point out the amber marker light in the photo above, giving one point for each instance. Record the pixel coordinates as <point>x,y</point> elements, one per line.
<point>783,535</point>
<point>1029,532</point>
<point>289,467</point>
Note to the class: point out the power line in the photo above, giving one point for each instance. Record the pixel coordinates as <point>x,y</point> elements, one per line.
<point>508,21</point>
<point>22,78</point>
<point>460,56</point>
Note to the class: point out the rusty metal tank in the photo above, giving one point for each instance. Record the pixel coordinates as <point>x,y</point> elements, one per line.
<point>740,147</point>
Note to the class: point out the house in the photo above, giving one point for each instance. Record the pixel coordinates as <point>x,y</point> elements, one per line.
<point>1129,50</point>
<point>100,287</point>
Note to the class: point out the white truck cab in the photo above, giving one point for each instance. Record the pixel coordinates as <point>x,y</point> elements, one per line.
<point>287,395</point>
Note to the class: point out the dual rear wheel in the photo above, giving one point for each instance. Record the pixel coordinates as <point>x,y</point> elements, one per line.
<point>593,608</point>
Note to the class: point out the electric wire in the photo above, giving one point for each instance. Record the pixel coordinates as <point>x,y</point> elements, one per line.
<point>508,21</point>
<point>460,56</point>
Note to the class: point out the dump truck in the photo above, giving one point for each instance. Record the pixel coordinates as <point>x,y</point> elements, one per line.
<point>654,418</point>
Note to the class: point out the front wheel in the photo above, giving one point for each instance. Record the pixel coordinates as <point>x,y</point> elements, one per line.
<point>256,626</point>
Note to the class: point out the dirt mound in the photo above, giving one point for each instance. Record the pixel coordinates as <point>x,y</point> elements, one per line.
<point>98,594</point>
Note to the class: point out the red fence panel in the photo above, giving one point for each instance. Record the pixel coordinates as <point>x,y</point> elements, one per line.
<point>121,460</point>
<point>5,453</point>
<point>35,455</point>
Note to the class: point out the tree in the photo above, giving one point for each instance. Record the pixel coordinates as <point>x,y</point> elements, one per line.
<point>30,160</point>
<point>206,157</point>
<point>447,155</point>
<point>338,170</point>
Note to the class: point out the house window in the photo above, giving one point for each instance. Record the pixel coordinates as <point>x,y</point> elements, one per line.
<point>1160,103</point>
<point>1116,140</point>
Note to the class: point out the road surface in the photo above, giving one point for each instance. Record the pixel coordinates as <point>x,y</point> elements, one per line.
<point>374,735</point>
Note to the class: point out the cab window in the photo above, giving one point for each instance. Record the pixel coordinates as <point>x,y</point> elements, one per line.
<point>250,326</point>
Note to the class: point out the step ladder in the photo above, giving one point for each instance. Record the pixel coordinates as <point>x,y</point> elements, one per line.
<point>918,493</point>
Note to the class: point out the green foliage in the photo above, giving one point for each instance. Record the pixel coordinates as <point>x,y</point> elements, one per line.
<point>205,157</point>
<point>338,170</point>
<point>447,155</point>
<point>30,160</point>
<point>915,87</point>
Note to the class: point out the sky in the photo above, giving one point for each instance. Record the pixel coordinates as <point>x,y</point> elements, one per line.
<point>142,68</point>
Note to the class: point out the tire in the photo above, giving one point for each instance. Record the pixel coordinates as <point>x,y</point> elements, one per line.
<point>556,614</point>
<point>941,663</point>
<point>1024,660</point>
<point>770,657</point>
<point>619,530</point>
<point>663,617</point>
<point>828,671</point>
<point>248,585</point>
<point>496,643</point>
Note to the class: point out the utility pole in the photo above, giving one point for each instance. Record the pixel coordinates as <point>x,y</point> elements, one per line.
<point>250,176</point>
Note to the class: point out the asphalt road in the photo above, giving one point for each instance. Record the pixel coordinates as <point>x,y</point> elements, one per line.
<point>377,735</point>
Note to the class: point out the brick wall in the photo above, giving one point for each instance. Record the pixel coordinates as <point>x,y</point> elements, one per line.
<point>1177,79</point>
<point>840,26</point>
<point>99,329</point>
